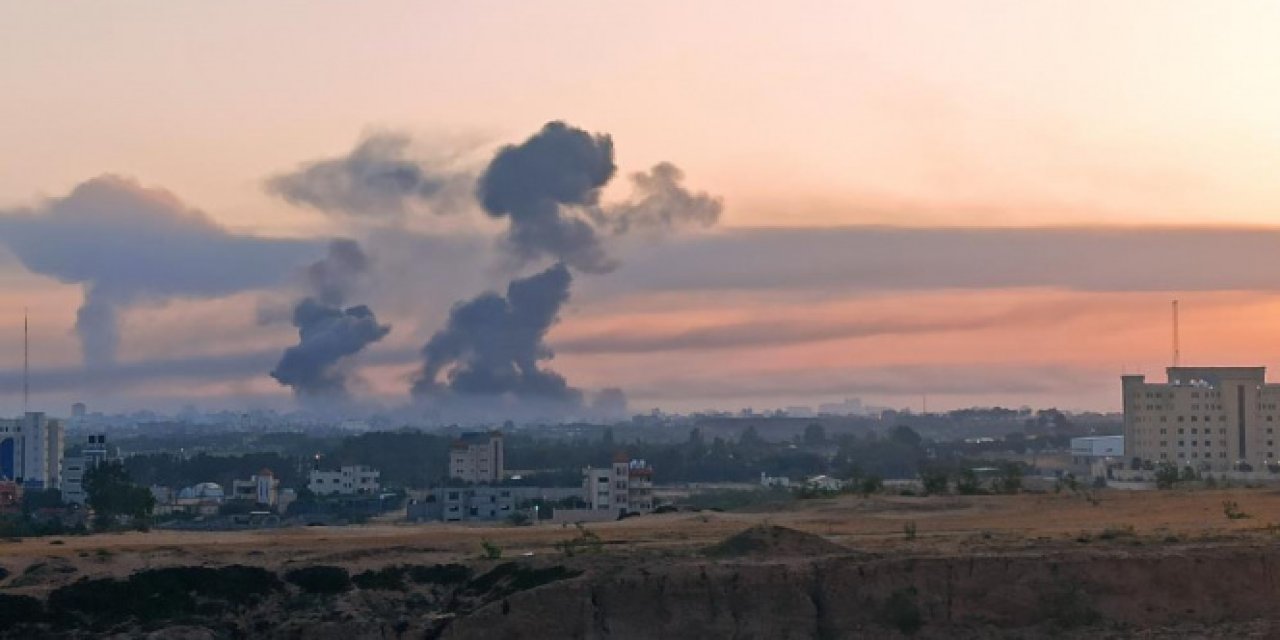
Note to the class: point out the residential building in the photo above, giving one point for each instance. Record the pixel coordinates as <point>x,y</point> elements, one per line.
<point>1212,418</point>
<point>626,486</point>
<point>348,481</point>
<point>262,488</point>
<point>477,457</point>
<point>31,451</point>
<point>455,504</point>
<point>93,453</point>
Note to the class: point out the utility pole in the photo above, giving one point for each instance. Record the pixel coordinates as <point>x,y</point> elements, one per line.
<point>1177,351</point>
<point>26,364</point>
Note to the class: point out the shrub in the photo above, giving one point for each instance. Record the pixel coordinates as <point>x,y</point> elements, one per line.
<point>1231,509</point>
<point>384,579</point>
<point>934,481</point>
<point>320,579</point>
<point>157,594</point>
<point>491,550</point>
<point>444,574</point>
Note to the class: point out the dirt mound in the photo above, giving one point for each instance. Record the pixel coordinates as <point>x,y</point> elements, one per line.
<point>768,540</point>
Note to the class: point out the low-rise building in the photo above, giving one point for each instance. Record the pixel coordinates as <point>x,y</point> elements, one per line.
<point>456,504</point>
<point>262,488</point>
<point>348,481</point>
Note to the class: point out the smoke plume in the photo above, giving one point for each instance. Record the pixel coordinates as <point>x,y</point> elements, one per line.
<point>376,179</point>
<point>327,332</point>
<point>538,183</point>
<point>127,244</point>
<point>492,344</point>
<point>659,204</point>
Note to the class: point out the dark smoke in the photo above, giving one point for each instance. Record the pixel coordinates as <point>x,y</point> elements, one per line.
<point>492,345</point>
<point>337,276</point>
<point>537,183</point>
<point>327,332</point>
<point>374,179</point>
<point>660,203</point>
<point>328,335</point>
<point>127,244</point>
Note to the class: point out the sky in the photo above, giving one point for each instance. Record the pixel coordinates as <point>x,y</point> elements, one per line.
<point>977,202</point>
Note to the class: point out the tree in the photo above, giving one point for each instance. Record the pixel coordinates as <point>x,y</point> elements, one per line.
<point>968,484</point>
<point>1166,476</point>
<point>869,485</point>
<point>815,435</point>
<point>934,481</point>
<point>904,435</point>
<point>111,493</point>
<point>1010,478</point>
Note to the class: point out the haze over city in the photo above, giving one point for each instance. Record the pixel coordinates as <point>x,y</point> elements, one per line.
<point>984,203</point>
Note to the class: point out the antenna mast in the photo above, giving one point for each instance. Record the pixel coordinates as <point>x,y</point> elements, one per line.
<point>26,363</point>
<point>1177,353</point>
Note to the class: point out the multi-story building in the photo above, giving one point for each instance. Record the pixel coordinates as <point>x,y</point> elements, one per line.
<point>626,486</point>
<point>348,481</point>
<point>477,457</point>
<point>262,488</point>
<point>1212,418</point>
<point>31,451</point>
<point>93,453</point>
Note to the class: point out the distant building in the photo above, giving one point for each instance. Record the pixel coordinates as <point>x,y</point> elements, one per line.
<point>1085,450</point>
<point>347,481</point>
<point>623,487</point>
<point>93,453</point>
<point>457,504</point>
<point>850,407</point>
<point>477,457</point>
<point>262,488</point>
<point>79,410</point>
<point>31,451</point>
<point>1215,418</point>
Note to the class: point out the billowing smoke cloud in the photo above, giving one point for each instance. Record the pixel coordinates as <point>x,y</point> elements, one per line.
<point>338,274</point>
<point>492,344</point>
<point>548,189</point>
<point>660,203</point>
<point>128,244</point>
<point>538,183</point>
<point>327,332</point>
<point>377,178</point>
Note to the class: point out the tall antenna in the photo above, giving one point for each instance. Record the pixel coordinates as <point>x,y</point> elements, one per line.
<point>26,363</point>
<point>1177,352</point>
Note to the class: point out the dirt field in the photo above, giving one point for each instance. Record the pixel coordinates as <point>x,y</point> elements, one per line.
<point>943,524</point>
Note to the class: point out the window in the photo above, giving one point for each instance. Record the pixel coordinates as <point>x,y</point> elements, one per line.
<point>1182,443</point>
<point>1193,431</point>
<point>1180,418</point>
<point>1180,429</point>
<point>1163,431</point>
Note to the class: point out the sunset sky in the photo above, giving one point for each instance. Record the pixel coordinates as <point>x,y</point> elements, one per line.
<point>984,202</point>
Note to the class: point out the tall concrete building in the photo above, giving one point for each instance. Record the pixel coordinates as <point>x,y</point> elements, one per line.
<point>1211,418</point>
<point>477,457</point>
<point>31,451</point>
<point>93,453</point>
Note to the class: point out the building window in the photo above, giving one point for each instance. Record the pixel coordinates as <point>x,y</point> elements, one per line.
<point>1180,418</point>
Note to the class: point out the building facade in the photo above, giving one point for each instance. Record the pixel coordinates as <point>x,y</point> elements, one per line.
<point>477,458</point>
<point>91,455</point>
<point>262,488</point>
<point>347,481</point>
<point>626,486</point>
<point>1210,418</point>
<point>31,451</point>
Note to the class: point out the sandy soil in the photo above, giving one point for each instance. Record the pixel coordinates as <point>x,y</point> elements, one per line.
<point>943,524</point>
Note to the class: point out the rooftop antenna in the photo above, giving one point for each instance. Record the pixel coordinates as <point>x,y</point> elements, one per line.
<point>1177,352</point>
<point>26,363</point>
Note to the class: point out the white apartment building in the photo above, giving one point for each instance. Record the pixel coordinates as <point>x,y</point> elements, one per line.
<point>477,457</point>
<point>347,481</point>
<point>31,451</point>
<point>626,486</point>
<point>1212,418</point>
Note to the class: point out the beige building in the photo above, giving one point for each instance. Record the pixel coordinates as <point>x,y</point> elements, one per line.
<point>1211,418</point>
<point>477,458</point>
<point>626,486</point>
<point>350,480</point>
